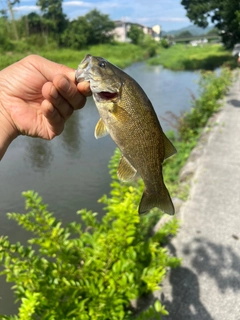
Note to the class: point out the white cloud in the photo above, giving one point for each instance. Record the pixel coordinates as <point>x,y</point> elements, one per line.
<point>26,8</point>
<point>83,4</point>
<point>77,4</point>
<point>173,19</point>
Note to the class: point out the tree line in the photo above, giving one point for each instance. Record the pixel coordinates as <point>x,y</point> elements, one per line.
<point>52,24</point>
<point>224,14</point>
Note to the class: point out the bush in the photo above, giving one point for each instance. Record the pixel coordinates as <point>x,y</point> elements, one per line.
<point>213,88</point>
<point>88,270</point>
<point>164,43</point>
<point>151,45</point>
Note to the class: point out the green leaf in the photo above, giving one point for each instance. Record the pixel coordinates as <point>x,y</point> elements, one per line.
<point>157,306</point>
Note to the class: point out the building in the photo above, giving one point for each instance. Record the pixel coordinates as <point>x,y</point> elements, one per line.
<point>121,30</point>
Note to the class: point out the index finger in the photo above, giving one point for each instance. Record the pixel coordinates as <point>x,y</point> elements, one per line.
<point>84,88</point>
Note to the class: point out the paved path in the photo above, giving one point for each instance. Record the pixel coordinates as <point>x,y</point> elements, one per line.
<point>207,286</point>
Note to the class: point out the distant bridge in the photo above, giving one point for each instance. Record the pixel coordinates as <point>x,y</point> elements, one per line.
<point>189,39</point>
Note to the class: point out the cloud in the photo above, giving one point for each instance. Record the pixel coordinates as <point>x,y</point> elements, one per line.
<point>77,4</point>
<point>26,8</point>
<point>84,4</point>
<point>149,20</point>
<point>173,19</point>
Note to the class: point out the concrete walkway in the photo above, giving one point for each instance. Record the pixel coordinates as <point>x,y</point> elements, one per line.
<point>207,285</point>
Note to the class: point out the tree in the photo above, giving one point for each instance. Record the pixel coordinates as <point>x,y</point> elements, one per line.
<point>10,8</point>
<point>101,27</point>
<point>225,14</point>
<point>53,18</point>
<point>77,34</point>
<point>34,23</point>
<point>5,43</point>
<point>135,34</point>
<point>32,28</point>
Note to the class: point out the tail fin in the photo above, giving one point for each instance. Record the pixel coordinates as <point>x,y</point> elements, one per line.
<point>151,200</point>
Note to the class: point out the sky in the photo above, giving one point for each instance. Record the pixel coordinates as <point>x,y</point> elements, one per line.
<point>169,14</point>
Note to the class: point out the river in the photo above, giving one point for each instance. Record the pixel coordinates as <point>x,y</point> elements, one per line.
<point>71,171</point>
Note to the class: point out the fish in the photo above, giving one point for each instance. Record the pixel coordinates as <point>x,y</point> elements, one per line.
<point>127,114</point>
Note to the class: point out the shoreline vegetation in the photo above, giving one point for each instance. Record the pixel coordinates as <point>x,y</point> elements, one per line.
<point>120,54</point>
<point>97,268</point>
<point>186,57</point>
<point>176,57</point>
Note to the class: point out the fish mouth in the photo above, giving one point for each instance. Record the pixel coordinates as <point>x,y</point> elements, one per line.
<point>84,73</point>
<point>83,68</point>
<point>105,95</point>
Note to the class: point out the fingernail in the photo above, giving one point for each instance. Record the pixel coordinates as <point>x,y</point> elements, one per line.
<point>64,84</point>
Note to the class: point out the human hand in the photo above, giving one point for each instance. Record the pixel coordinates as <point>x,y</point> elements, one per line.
<point>37,96</point>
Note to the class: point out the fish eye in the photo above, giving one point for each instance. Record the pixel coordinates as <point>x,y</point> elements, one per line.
<point>102,64</point>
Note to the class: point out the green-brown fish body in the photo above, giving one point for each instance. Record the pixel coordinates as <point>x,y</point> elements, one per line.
<point>128,116</point>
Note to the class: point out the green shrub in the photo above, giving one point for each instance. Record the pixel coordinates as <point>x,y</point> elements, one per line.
<point>213,88</point>
<point>88,270</point>
<point>150,45</point>
<point>164,43</point>
<point>186,57</point>
<point>121,54</point>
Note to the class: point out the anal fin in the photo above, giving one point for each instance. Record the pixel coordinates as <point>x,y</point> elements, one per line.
<point>168,147</point>
<point>125,170</point>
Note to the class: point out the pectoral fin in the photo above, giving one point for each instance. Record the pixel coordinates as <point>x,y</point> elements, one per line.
<point>119,113</point>
<point>125,170</point>
<point>168,147</point>
<point>100,129</point>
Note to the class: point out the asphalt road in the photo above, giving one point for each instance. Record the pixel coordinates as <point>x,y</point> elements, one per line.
<point>207,285</point>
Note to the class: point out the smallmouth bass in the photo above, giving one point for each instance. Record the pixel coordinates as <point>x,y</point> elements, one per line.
<point>128,116</point>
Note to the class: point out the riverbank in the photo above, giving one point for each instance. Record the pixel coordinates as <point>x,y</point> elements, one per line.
<point>120,54</point>
<point>176,57</point>
<point>187,57</point>
<point>207,284</point>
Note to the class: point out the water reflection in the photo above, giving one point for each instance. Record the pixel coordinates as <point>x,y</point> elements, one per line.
<point>39,154</point>
<point>71,136</point>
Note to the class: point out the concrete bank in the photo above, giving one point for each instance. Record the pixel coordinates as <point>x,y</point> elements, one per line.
<point>207,285</point>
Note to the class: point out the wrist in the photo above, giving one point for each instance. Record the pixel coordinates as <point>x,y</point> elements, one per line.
<point>7,133</point>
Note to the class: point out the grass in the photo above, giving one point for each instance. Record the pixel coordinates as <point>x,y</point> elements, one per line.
<point>177,57</point>
<point>186,57</point>
<point>121,54</point>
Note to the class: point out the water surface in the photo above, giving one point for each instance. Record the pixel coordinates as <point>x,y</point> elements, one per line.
<point>71,171</point>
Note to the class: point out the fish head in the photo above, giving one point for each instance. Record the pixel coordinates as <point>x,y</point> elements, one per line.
<point>104,77</point>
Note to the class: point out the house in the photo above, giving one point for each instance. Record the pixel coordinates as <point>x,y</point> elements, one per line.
<point>121,30</point>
